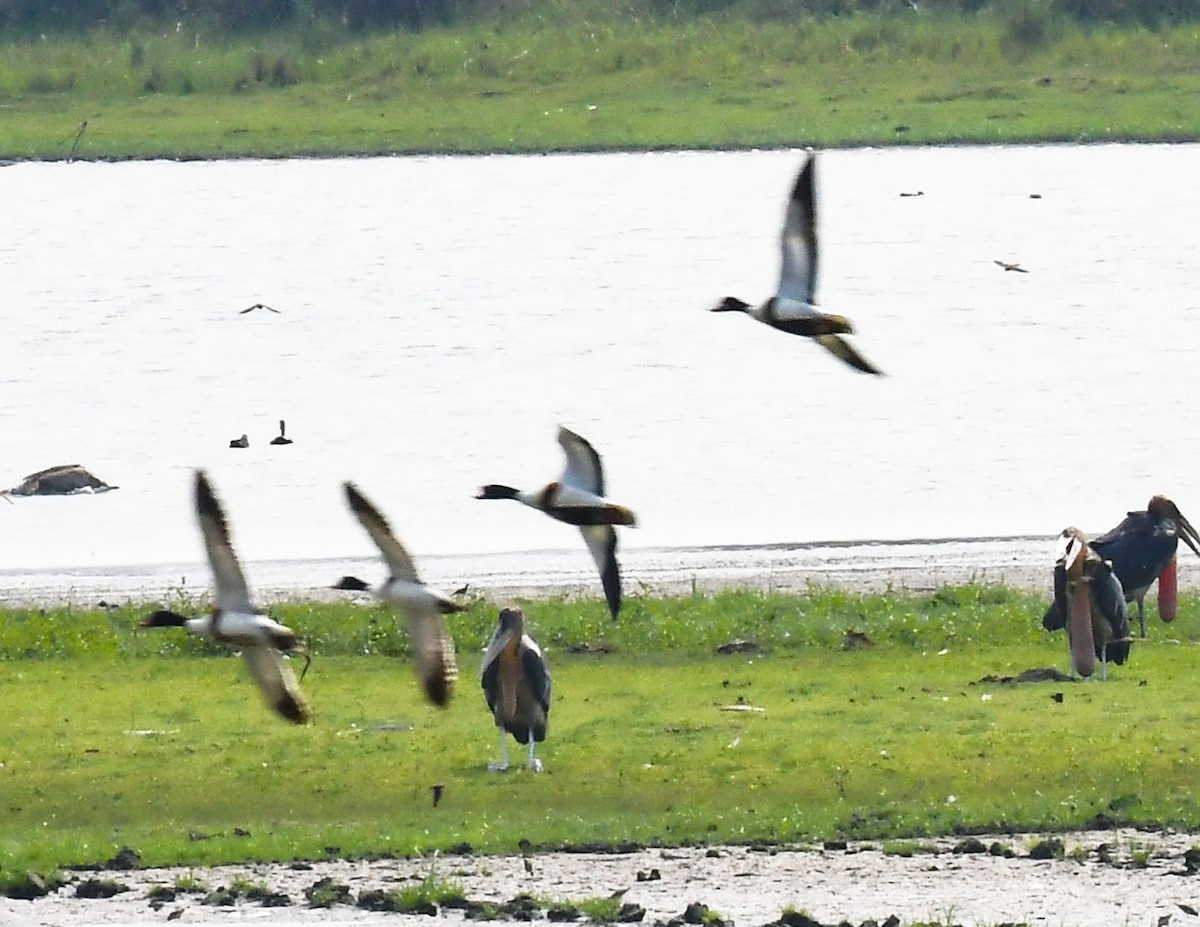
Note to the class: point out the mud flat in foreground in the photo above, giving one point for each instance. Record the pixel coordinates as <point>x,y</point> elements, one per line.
<point>1101,879</point>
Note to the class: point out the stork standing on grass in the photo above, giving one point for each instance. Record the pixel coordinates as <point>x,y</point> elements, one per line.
<point>1142,549</point>
<point>423,606</point>
<point>516,683</point>
<point>236,623</point>
<point>1087,592</point>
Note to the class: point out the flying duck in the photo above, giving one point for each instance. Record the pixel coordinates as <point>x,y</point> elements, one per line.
<point>793,308</point>
<point>1141,549</point>
<point>259,306</point>
<point>282,437</point>
<point>424,607</point>
<point>516,683</point>
<point>577,497</point>
<point>236,623</point>
<point>1090,595</point>
<point>243,441</point>
<point>1011,266</point>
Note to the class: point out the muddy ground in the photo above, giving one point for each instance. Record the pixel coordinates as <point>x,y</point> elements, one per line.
<point>1095,879</point>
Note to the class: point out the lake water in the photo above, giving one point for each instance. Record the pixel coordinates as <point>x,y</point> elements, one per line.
<point>441,316</point>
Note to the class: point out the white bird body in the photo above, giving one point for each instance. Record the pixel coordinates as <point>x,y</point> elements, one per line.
<point>234,622</point>
<point>578,499</point>
<point>424,607</point>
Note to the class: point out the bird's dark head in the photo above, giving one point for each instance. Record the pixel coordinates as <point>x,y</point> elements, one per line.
<point>164,619</point>
<point>352,583</point>
<point>731,304</point>
<point>496,491</point>
<point>1164,511</point>
<point>512,620</point>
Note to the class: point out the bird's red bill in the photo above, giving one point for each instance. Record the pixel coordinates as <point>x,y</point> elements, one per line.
<point>1168,592</point>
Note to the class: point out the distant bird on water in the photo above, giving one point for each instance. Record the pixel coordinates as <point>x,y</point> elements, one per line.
<point>1091,598</point>
<point>793,307</point>
<point>1011,266</point>
<point>1142,549</point>
<point>577,498</point>
<point>424,607</point>
<point>243,441</point>
<point>259,306</point>
<point>282,437</point>
<point>62,480</point>
<point>236,623</point>
<point>516,683</point>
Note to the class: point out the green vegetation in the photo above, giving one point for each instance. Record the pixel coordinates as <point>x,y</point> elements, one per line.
<point>596,75</point>
<point>113,737</point>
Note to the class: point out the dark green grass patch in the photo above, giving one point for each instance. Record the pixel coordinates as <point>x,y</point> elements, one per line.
<point>559,80</point>
<point>113,737</point>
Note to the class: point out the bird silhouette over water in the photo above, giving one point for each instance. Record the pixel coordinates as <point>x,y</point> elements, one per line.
<point>259,306</point>
<point>793,307</point>
<point>1012,266</point>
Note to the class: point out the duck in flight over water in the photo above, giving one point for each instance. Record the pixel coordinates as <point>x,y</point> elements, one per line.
<point>423,606</point>
<point>793,307</point>
<point>577,498</point>
<point>234,621</point>
<point>259,306</point>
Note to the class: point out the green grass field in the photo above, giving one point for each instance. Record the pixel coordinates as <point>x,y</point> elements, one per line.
<point>112,736</point>
<point>599,81</point>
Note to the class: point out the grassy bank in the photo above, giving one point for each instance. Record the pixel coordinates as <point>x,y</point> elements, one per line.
<point>600,82</point>
<point>115,737</point>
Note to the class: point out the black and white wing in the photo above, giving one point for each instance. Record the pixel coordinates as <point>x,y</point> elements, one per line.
<point>798,271</point>
<point>602,542</point>
<point>394,554</point>
<point>233,595</point>
<point>583,463</point>
<point>273,673</point>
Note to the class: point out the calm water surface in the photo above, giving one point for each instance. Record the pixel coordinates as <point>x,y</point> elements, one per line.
<point>442,315</point>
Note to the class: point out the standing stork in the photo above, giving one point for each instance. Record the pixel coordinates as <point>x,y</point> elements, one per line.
<point>424,607</point>
<point>516,683</point>
<point>236,623</point>
<point>1087,592</point>
<point>577,498</point>
<point>1142,549</point>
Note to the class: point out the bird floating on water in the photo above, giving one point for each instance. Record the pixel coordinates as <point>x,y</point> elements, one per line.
<point>259,306</point>
<point>282,437</point>
<point>1090,596</point>
<point>234,621</point>
<point>793,307</point>
<point>63,480</point>
<point>243,441</point>
<point>423,606</point>
<point>577,498</point>
<point>516,683</point>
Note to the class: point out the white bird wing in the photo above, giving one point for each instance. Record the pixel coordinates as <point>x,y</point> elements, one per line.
<point>583,470</point>
<point>233,595</point>
<point>433,649</point>
<point>602,542</point>
<point>273,673</point>
<point>397,558</point>
<point>798,244</point>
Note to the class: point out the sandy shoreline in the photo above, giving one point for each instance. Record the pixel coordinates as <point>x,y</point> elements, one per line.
<point>875,566</point>
<point>1144,879</point>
